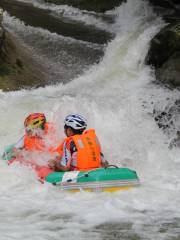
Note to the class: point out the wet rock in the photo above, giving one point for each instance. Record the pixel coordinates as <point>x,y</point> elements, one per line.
<point>42,18</point>
<point>169,121</point>
<point>175,142</point>
<point>164,55</point>
<point>164,52</point>
<point>24,70</point>
<point>163,120</point>
<point>90,5</point>
<point>1,28</point>
<point>169,9</point>
<point>164,45</point>
<point>1,15</point>
<point>17,69</point>
<point>169,73</point>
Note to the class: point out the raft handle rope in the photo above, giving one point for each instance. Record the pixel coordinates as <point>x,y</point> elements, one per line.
<point>71,179</point>
<point>86,174</point>
<point>109,166</point>
<point>5,155</point>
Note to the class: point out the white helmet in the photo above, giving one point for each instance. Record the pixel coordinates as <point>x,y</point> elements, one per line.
<point>75,121</point>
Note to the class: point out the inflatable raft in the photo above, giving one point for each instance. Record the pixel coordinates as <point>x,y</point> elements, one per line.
<point>96,180</point>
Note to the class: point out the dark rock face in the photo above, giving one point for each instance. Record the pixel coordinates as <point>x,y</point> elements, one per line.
<point>40,18</point>
<point>16,69</point>
<point>90,5</point>
<point>164,55</point>
<point>169,73</point>
<point>168,9</point>
<point>1,29</point>
<point>164,52</point>
<point>169,121</point>
<point>164,45</point>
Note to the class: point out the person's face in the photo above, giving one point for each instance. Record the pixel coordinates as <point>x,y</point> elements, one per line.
<point>68,132</point>
<point>38,132</point>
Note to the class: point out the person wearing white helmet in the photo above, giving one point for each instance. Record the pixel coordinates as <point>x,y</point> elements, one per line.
<point>81,149</point>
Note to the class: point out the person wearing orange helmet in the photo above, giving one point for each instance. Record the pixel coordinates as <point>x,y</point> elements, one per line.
<point>81,149</point>
<point>37,146</point>
<point>39,135</point>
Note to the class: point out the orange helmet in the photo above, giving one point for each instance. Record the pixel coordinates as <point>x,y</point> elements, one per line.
<point>35,120</point>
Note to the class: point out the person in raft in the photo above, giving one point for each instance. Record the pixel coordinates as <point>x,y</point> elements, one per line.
<point>81,149</point>
<point>39,136</point>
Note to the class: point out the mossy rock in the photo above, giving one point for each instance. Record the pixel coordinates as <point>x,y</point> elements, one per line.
<point>164,55</point>
<point>17,69</point>
<point>169,73</point>
<point>164,45</point>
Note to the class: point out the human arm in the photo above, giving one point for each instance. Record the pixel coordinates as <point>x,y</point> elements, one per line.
<point>55,164</point>
<point>104,162</point>
<point>20,143</point>
<point>15,150</point>
<point>62,162</point>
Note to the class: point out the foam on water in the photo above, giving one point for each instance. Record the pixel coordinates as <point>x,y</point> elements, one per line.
<point>111,95</point>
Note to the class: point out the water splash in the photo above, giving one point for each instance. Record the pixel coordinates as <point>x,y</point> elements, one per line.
<point>116,97</point>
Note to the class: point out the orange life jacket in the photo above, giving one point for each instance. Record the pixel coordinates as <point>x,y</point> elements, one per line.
<point>88,150</point>
<point>37,142</point>
<point>59,149</point>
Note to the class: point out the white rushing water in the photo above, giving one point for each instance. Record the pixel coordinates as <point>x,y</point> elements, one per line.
<point>117,97</point>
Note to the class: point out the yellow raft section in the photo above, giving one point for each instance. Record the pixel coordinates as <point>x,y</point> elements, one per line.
<point>105,189</point>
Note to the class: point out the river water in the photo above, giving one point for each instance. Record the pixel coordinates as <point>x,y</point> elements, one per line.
<point>117,96</point>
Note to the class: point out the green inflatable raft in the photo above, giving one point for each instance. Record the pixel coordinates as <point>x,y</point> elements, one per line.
<point>102,179</point>
<point>97,180</point>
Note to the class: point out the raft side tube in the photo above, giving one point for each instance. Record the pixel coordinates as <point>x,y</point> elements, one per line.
<point>97,175</point>
<point>8,152</point>
<point>98,185</point>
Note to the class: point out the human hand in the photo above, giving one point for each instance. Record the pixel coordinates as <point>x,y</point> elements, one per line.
<point>52,164</point>
<point>16,153</point>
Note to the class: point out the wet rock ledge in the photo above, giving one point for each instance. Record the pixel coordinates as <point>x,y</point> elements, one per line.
<point>164,52</point>
<point>164,56</point>
<point>61,25</point>
<point>90,5</point>
<point>16,67</point>
<point>1,29</point>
